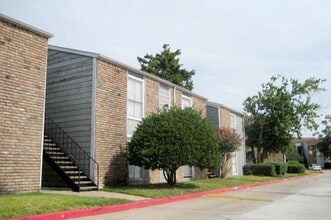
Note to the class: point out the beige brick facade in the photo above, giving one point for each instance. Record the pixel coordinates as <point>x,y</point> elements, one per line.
<point>110,127</point>
<point>152,96</point>
<point>152,105</point>
<point>225,118</point>
<point>199,105</point>
<point>23,57</point>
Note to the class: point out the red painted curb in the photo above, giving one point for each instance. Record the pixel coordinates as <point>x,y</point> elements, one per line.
<point>146,203</point>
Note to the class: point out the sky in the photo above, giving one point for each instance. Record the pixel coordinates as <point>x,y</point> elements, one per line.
<point>233,45</point>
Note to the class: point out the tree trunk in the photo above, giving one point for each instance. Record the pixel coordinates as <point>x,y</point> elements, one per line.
<point>253,155</point>
<point>170,176</point>
<point>224,161</point>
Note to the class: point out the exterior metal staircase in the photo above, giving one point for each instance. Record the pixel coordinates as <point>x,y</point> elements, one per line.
<point>68,159</point>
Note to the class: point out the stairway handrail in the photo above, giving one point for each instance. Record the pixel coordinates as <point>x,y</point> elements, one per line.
<point>49,130</point>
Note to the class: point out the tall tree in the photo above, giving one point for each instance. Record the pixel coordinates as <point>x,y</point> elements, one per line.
<point>228,141</point>
<point>324,145</point>
<point>166,66</point>
<point>280,111</point>
<point>173,138</point>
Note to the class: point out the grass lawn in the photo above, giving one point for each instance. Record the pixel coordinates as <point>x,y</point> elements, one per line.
<point>164,190</point>
<point>39,203</point>
<point>20,205</point>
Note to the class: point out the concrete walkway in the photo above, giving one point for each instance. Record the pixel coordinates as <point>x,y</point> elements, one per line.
<point>95,194</point>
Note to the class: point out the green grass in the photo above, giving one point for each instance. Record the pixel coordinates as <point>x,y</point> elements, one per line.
<point>39,203</point>
<point>164,190</point>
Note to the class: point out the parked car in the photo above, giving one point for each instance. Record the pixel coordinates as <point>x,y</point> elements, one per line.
<point>316,167</point>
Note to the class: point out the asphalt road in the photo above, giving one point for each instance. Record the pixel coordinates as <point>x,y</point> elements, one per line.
<point>304,199</point>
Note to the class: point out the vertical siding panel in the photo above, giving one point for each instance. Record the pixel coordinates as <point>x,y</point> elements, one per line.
<point>69,94</point>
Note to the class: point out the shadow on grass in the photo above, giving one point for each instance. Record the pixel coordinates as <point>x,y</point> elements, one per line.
<point>158,186</point>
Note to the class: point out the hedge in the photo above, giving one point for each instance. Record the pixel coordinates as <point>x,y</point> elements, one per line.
<point>281,168</point>
<point>296,168</point>
<point>262,169</point>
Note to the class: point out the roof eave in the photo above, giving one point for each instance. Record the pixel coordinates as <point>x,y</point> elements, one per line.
<point>25,26</point>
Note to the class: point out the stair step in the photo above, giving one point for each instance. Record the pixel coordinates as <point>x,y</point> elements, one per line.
<point>61,162</point>
<point>83,182</point>
<point>77,177</point>
<point>73,172</point>
<point>87,188</point>
<point>60,158</point>
<point>55,152</point>
<point>68,167</point>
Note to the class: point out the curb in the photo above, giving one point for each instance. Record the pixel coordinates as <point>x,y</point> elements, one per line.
<point>148,202</point>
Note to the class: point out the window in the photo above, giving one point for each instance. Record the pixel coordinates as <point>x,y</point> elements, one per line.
<point>188,171</point>
<point>135,172</point>
<point>135,98</point>
<point>135,113</point>
<point>164,97</point>
<point>186,101</point>
<point>232,121</point>
<point>135,103</point>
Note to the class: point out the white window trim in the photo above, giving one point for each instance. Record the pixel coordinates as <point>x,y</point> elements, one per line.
<point>169,94</point>
<point>187,97</point>
<point>143,97</point>
<point>137,119</point>
<point>235,121</point>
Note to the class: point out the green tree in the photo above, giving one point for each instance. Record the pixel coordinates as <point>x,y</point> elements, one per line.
<point>166,66</point>
<point>280,111</point>
<point>324,144</point>
<point>228,141</point>
<point>173,138</point>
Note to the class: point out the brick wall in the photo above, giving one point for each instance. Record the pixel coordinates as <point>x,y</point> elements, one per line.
<point>151,106</point>
<point>225,118</point>
<point>23,55</point>
<point>152,96</point>
<point>110,133</point>
<point>200,106</point>
<point>178,98</point>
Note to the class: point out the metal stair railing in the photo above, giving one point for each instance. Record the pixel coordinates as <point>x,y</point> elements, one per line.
<point>79,156</point>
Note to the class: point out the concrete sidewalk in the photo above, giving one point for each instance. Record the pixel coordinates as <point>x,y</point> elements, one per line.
<point>95,194</point>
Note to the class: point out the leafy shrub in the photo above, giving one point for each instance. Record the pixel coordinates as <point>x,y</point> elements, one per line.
<point>173,138</point>
<point>261,169</point>
<point>281,168</point>
<point>296,168</point>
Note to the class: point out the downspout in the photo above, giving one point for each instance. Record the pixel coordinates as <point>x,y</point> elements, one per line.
<point>174,96</point>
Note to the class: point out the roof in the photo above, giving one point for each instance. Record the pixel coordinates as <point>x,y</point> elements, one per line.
<point>124,66</point>
<point>217,105</point>
<point>25,26</point>
<point>307,140</point>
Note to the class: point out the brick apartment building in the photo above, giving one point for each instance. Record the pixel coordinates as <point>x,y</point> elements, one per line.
<point>99,102</point>
<point>72,129</point>
<point>23,61</point>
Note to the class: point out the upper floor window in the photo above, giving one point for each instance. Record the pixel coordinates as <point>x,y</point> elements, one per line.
<point>164,97</point>
<point>135,103</point>
<point>233,121</point>
<point>135,98</point>
<point>186,101</point>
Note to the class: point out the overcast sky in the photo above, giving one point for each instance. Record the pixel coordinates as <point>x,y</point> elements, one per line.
<point>233,45</point>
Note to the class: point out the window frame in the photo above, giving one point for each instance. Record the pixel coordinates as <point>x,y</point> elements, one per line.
<point>142,97</point>
<point>187,98</point>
